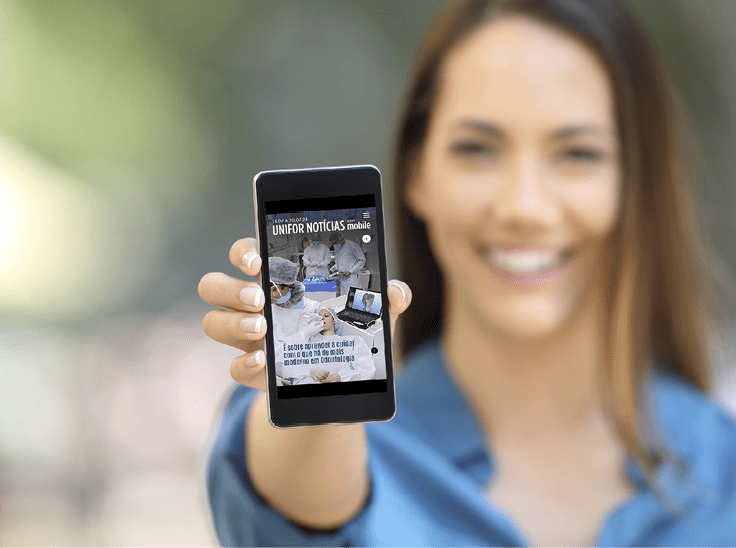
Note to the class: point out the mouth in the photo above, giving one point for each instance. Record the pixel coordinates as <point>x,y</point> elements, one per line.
<point>525,262</point>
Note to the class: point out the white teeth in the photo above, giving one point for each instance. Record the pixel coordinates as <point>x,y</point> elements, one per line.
<point>524,262</point>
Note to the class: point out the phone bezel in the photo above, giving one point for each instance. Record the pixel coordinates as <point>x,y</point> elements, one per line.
<point>316,183</point>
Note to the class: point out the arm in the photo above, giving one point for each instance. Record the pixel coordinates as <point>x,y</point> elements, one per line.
<point>285,466</point>
<point>363,368</point>
<point>359,259</point>
<point>307,257</point>
<point>305,329</point>
<point>325,261</point>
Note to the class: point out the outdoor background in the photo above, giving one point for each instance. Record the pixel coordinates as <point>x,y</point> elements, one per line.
<point>130,132</point>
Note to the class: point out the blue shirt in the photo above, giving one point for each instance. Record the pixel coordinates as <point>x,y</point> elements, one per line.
<point>429,466</point>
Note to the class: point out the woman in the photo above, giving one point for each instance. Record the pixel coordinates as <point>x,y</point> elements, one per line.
<point>361,366</point>
<point>553,392</point>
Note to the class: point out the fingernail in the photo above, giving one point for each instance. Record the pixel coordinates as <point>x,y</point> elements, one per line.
<point>403,293</point>
<point>257,359</point>
<point>251,295</point>
<point>248,258</point>
<point>252,324</point>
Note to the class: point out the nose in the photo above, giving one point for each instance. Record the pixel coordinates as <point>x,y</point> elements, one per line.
<point>525,200</point>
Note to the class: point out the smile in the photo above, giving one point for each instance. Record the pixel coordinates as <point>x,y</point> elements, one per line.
<point>526,262</point>
<point>526,266</point>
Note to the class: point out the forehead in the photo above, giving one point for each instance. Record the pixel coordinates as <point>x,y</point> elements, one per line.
<point>515,69</point>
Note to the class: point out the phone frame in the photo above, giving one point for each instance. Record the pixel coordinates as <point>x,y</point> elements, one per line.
<point>323,183</point>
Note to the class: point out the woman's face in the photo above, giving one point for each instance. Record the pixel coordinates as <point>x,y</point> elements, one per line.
<point>329,322</point>
<point>520,171</point>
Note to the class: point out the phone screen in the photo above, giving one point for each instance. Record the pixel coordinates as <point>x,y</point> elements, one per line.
<point>328,325</point>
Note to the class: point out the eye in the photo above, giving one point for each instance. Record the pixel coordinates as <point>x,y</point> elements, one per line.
<point>472,148</point>
<point>581,155</point>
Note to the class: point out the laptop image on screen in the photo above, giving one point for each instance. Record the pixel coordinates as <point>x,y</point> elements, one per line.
<point>362,307</point>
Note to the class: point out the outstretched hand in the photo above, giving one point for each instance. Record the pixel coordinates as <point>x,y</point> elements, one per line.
<point>241,324</point>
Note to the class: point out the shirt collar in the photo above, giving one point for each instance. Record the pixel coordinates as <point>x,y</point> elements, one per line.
<point>447,421</point>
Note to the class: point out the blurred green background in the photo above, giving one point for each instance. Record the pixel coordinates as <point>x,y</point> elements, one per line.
<point>130,132</point>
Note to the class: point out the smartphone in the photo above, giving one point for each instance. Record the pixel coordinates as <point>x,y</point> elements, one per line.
<point>321,237</point>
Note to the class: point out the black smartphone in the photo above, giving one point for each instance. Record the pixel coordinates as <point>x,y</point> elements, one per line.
<point>328,342</point>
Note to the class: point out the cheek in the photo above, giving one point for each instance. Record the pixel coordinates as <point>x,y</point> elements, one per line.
<point>595,204</point>
<point>452,200</point>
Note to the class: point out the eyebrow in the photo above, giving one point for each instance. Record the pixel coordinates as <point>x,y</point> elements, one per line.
<point>583,128</point>
<point>563,133</point>
<point>483,127</point>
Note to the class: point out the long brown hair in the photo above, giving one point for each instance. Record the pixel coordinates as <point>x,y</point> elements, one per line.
<point>663,291</point>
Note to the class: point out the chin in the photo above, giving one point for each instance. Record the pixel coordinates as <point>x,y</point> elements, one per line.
<point>529,329</point>
<point>534,321</point>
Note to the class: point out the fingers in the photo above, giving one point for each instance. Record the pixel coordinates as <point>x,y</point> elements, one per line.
<point>242,327</point>
<point>249,369</point>
<point>239,329</point>
<point>244,255</point>
<point>220,289</point>
<point>318,374</point>
<point>399,299</point>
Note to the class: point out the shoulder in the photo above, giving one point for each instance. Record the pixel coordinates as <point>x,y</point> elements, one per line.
<point>311,303</point>
<point>688,414</point>
<point>701,432</point>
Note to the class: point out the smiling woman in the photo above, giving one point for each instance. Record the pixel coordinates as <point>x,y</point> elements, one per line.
<point>523,188</point>
<point>542,159</point>
<point>554,391</point>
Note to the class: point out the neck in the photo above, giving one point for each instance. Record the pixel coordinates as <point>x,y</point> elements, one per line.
<point>527,388</point>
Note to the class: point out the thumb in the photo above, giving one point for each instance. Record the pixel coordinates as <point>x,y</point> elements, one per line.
<point>399,299</point>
